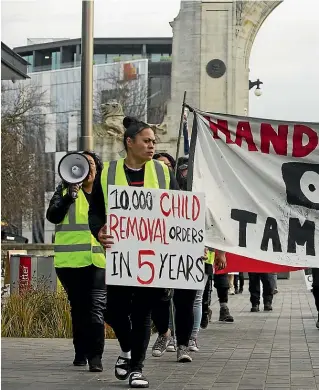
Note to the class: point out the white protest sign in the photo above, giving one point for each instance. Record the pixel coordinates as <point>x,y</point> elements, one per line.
<point>159,238</point>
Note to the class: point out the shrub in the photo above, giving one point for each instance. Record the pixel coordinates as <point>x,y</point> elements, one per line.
<point>38,313</point>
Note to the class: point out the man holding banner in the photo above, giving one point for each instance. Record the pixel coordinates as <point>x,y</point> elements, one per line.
<point>143,217</point>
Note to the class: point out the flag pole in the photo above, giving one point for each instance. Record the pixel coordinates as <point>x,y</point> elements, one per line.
<point>180,131</point>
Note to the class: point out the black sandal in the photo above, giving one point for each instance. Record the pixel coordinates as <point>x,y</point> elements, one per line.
<point>138,381</point>
<point>122,368</point>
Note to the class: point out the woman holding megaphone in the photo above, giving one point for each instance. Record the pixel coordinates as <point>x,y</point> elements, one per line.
<point>79,259</point>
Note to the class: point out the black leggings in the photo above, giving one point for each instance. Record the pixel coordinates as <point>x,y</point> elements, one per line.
<point>86,292</point>
<point>184,315</point>
<point>129,314</point>
<point>315,291</point>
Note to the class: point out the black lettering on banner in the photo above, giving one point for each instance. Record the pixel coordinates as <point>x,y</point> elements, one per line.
<point>149,201</point>
<point>181,267</point>
<point>189,267</point>
<point>142,200</point>
<point>199,266</point>
<point>271,233</point>
<point>135,200</point>
<point>170,267</point>
<point>172,232</point>
<point>114,263</point>
<point>117,206</point>
<point>178,233</point>
<point>163,259</point>
<point>301,235</point>
<point>194,236</point>
<point>185,235</point>
<point>200,235</point>
<point>124,200</point>
<point>126,262</point>
<point>243,217</point>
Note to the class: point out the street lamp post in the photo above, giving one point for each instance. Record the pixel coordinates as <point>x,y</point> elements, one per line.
<point>87,43</point>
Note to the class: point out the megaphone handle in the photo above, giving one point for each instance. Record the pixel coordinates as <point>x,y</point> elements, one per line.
<point>75,194</point>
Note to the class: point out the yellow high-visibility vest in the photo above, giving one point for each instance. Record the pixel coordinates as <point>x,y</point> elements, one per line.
<point>74,245</point>
<point>210,256</point>
<point>156,175</point>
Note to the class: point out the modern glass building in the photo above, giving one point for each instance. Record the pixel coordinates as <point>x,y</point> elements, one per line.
<point>67,53</point>
<point>60,120</point>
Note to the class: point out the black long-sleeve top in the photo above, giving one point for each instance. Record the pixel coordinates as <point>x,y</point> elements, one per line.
<point>60,204</point>
<point>97,212</point>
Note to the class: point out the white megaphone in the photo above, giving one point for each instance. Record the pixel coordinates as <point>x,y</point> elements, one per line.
<point>73,169</point>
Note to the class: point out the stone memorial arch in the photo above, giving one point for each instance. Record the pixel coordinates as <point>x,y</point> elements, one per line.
<point>212,42</point>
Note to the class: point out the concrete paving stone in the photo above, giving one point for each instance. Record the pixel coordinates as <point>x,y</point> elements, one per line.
<point>275,350</point>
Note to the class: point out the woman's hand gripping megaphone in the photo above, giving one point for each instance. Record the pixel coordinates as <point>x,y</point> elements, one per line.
<point>74,189</point>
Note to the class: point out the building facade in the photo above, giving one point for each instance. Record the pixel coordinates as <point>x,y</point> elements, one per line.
<point>61,120</point>
<point>51,55</point>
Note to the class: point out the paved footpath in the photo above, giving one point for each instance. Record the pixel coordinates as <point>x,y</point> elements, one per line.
<point>278,350</point>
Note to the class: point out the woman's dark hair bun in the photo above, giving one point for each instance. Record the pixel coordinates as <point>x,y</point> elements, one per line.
<point>128,121</point>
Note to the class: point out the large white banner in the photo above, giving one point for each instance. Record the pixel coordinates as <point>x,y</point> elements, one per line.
<point>261,180</point>
<point>159,238</point>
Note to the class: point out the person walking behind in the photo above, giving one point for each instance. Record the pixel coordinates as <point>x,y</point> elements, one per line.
<point>254,289</point>
<point>239,278</point>
<point>79,262</point>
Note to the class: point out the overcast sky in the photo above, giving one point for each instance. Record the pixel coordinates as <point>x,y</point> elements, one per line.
<point>285,55</point>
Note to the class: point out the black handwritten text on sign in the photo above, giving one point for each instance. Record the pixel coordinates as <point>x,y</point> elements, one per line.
<point>159,238</point>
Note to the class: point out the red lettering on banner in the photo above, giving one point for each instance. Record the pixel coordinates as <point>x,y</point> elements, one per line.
<point>195,208</point>
<point>244,132</point>
<point>180,206</point>
<point>221,126</point>
<point>143,226</point>
<point>279,141</point>
<point>186,209</point>
<point>144,229</point>
<point>132,228</point>
<point>113,225</point>
<point>299,149</point>
<point>304,139</point>
<point>164,195</point>
<point>142,264</point>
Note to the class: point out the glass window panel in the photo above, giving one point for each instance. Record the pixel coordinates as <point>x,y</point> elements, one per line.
<point>155,57</point>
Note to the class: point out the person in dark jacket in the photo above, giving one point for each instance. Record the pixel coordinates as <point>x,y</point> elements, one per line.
<point>81,275</point>
<point>315,290</point>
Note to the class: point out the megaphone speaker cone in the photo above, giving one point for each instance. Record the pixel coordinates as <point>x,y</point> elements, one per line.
<point>74,168</point>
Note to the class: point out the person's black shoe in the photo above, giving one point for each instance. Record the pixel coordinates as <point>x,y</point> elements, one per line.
<point>267,307</point>
<point>254,308</point>
<point>240,291</point>
<point>224,315</point>
<point>204,321</point>
<point>79,360</point>
<point>122,368</point>
<point>95,364</point>
<point>138,381</point>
